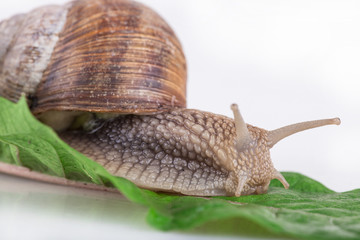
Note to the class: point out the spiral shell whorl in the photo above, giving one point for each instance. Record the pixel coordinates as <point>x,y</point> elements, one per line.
<point>100,56</point>
<point>26,44</point>
<point>114,56</point>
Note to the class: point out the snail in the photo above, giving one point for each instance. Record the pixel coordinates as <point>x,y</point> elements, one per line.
<point>117,69</point>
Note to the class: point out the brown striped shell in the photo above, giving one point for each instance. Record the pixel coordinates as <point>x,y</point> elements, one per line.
<point>99,56</point>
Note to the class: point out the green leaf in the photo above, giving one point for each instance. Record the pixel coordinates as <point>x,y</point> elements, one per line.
<point>308,210</point>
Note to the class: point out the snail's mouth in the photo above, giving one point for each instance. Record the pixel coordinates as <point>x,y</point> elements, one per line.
<point>262,189</point>
<point>258,189</point>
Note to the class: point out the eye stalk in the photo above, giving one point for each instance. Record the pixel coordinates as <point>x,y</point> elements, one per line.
<point>265,171</point>
<point>243,137</point>
<point>276,135</point>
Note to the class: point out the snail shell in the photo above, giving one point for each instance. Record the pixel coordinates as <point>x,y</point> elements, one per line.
<point>100,56</point>
<point>118,56</point>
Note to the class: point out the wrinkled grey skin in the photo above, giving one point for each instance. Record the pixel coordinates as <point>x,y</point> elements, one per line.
<point>184,151</point>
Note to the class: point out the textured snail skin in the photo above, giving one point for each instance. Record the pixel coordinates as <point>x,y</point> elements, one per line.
<point>184,151</point>
<point>188,151</point>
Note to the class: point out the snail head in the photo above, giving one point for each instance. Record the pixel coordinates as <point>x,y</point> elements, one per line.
<point>253,145</point>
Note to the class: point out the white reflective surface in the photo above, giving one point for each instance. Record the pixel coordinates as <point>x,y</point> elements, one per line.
<point>35,210</point>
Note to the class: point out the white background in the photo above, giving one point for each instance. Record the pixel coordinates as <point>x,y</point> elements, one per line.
<point>282,62</point>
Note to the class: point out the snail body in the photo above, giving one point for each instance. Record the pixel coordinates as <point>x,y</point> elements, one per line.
<point>119,57</point>
<point>188,151</point>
